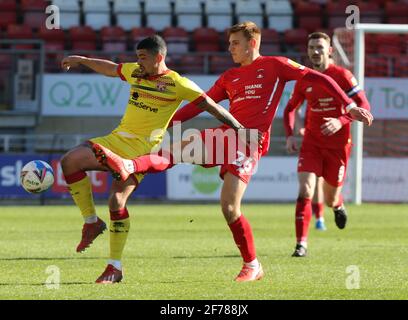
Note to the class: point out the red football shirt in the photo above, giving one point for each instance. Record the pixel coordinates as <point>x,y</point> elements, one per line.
<point>321,104</point>
<point>254,91</point>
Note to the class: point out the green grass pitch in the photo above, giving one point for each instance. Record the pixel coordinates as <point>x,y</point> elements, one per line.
<point>187,252</point>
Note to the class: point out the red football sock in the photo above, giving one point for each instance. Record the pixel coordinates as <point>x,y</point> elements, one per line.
<point>243,237</point>
<point>340,202</point>
<point>318,209</point>
<point>119,214</point>
<point>75,177</point>
<point>303,216</point>
<point>153,163</point>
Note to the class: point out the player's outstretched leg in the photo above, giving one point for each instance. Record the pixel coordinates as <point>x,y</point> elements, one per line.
<point>120,168</point>
<point>231,195</point>
<point>73,166</point>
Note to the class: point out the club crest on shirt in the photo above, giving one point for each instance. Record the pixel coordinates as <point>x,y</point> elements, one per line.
<point>161,86</point>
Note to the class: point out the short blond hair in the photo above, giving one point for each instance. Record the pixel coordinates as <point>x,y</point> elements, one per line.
<point>319,35</point>
<point>248,28</point>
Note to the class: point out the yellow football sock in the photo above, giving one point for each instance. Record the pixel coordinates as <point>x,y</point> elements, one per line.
<point>81,192</point>
<point>119,230</point>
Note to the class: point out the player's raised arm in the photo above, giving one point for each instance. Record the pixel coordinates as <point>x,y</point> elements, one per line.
<point>105,67</point>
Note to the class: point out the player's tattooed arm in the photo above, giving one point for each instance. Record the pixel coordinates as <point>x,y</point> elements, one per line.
<point>105,67</point>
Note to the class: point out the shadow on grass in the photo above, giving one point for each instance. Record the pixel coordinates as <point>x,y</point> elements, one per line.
<point>48,259</point>
<point>208,257</point>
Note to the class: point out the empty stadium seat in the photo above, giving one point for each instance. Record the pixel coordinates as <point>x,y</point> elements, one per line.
<point>296,40</point>
<point>20,32</point>
<point>206,40</point>
<point>138,34</point>
<point>128,13</point>
<point>158,14</point>
<point>220,64</point>
<point>188,13</point>
<point>389,44</point>
<point>309,15</point>
<point>336,13</point>
<point>270,44</point>
<point>370,12</point>
<point>396,12</point>
<point>8,13</point>
<point>377,66</point>
<point>191,64</point>
<point>280,14</point>
<point>113,39</point>
<point>249,10</point>
<point>69,13</point>
<point>34,12</point>
<point>176,39</point>
<point>54,38</point>
<point>97,13</point>
<point>219,14</point>
<point>401,67</point>
<point>82,38</point>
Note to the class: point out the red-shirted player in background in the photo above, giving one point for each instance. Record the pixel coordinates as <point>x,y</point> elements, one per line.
<point>254,90</point>
<point>327,140</point>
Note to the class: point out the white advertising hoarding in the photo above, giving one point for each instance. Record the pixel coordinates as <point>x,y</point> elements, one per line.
<point>96,95</point>
<point>384,180</point>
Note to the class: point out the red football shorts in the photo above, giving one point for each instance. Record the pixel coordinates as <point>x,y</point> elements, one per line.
<point>331,164</point>
<point>224,148</point>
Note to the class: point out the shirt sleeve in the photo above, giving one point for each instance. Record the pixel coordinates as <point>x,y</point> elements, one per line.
<point>188,90</point>
<point>218,92</point>
<point>125,70</point>
<point>288,69</point>
<point>289,113</point>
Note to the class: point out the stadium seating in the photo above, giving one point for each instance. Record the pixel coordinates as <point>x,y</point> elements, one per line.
<point>128,13</point>
<point>249,10</point>
<point>34,12</point>
<point>176,39</point>
<point>401,67</point>
<point>396,12</point>
<point>280,14</point>
<point>20,32</point>
<point>336,15</point>
<point>113,39</point>
<point>8,13</point>
<point>218,64</point>
<point>189,14</point>
<point>377,66</point>
<point>138,34</point>
<point>158,14</point>
<point>389,44</point>
<point>193,64</point>
<point>270,42</point>
<point>370,12</point>
<point>206,40</point>
<point>82,38</point>
<point>97,13</point>
<point>219,14</point>
<point>54,38</point>
<point>309,15</point>
<point>296,40</point>
<point>69,13</point>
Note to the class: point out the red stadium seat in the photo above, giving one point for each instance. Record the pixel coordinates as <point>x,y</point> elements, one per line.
<point>54,38</point>
<point>336,14</point>
<point>296,39</point>
<point>82,38</point>
<point>206,40</point>
<point>34,12</point>
<point>20,32</point>
<point>377,66</point>
<point>389,44</point>
<point>7,18</point>
<point>192,64</point>
<point>177,39</point>
<point>138,34</point>
<point>309,15</point>
<point>113,39</point>
<point>219,64</point>
<point>401,67</point>
<point>270,42</point>
<point>370,12</point>
<point>371,45</point>
<point>396,12</point>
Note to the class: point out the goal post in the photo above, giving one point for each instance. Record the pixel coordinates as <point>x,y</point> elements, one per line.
<point>358,55</point>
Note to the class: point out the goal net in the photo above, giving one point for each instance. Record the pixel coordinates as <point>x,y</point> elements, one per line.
<point>377,54</point>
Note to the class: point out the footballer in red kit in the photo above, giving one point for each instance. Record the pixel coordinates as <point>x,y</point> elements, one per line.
<point>327,139</point>
<point>253,90</point>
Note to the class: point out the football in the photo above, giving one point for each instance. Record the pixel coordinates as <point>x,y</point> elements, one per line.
<point>36,176</point>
